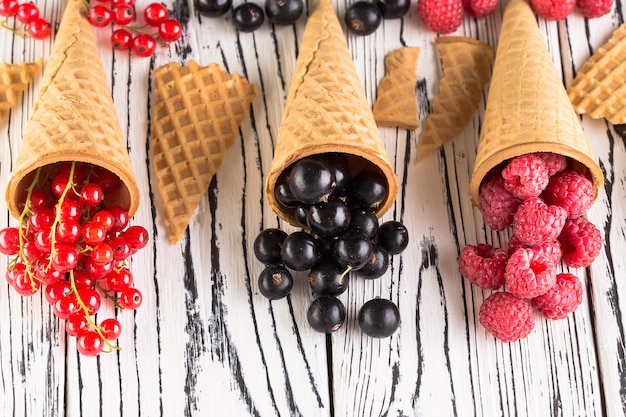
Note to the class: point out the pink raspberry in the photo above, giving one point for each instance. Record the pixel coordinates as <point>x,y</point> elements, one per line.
<point>507,317</point>
<point>550,249</point>
<point>560,300</point>
<point>483,265</point>
<point>571,190</point>
<point>525,176</point>
<point>581,242</point>
<point>554,161</point>
<point>535,222</point>
<point>553,9</point>
<point>496,204</point>
<point>441,16</point>
<point>594,8</point>
<point>528,274</point>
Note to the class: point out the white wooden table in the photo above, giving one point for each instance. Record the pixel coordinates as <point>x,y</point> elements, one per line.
<point>205,342</point>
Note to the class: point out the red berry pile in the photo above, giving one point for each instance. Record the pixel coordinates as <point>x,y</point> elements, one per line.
<point>543,199</point>
<point>76,250</point>
<point>23,19</point>
<point>560,9</point>
<point>141,40</point>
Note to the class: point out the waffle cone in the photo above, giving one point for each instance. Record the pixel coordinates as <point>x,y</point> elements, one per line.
<point>326,110</point>
<point>13,80</point>
<point>74,117</point>
<point>527,107</point>
<point>599,89</point>
<point>196,120</point>
<point>466,66</point>
<point>396,104</point>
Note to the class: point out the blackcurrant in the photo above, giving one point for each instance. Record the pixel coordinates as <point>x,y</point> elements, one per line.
<point>267,245</point>
<point>364,221</point>
<point>377,265</point>
<point>300,251</point>
<point>368,189</point>
<point>328,278</point>
<point>283,12</point>
<point>326,314</point>
<point>363,17</point>
<point>379,318</point>
<point>393,236</point>
<point>353,250</point>
<point>393,9</point>
<point>311,180</point>
<point>338,163</point>
<point>300,213</point>
<point>248,17</point>
<point>329,218</point>
<point>275,282</point>
<point>212,8</point>
<point>283,193</point>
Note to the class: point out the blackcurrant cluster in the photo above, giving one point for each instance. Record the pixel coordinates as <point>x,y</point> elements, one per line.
<point>75,250</point>
<point>129,37</point>
<point>249,16</point>
<point>363,17</point>
<point>27,19</point>
<point>341,233</point>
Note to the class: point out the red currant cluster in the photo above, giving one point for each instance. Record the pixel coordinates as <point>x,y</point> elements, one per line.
<point>74,248</point>
<point>25,14</point>
<point>127,36</point>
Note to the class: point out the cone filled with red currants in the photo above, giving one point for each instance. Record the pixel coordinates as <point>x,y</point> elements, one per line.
<point>326,116</point>
<point>74,118</point>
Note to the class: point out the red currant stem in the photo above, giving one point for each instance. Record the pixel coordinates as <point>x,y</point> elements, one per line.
<point>87,314</point>
<point>57,216</point>
<point>22,34</point>
<point>344,273</point>
<point>26,211</point>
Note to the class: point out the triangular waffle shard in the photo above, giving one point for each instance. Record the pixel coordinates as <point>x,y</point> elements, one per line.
<point>13,80</point>
<point>599,88</point>
<point>196,119</point>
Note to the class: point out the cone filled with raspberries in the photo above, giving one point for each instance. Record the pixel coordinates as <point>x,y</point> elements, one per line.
<point>534,173</point>
<point>73,191</point>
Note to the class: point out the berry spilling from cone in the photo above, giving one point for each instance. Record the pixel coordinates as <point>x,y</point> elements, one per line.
<point>543,198</point>
<point>76,250</point>
<point>341,233</point>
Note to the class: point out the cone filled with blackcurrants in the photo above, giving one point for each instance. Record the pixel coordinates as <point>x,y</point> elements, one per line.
<point>74,117</point>
<point>527,107</point>
<point>326,113</point>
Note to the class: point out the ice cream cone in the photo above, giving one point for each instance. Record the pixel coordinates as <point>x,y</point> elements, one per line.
<point>527,107</point>
<point>74,117</point>
<point>466,66</point>
<point>197,115</point>
<point>13,80</point>
<point>327,111</point>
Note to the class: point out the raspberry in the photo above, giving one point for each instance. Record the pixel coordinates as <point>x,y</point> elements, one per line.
<point>526,176</point>
<point>507,317</point>
<point>497,205</point>
<point>551,249</point>
<point>571,190</point>
<point>560,300</point>
<point>535,222</point>
<point>594,8</point>
<point>581,242</point>
<point>554,162</point>
<point>480,8</point>
<point>529,274</point>
<point>483,265</point>
<point>441,16</point>
<point>553,9</point>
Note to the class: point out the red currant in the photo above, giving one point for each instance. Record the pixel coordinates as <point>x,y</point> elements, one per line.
<point>99,16</point>
<point>42,240</point>
<point>130,298</point>
<point>25,284</point>
<point>137,237</point>
<point>65,258</point>
<point>31,254</point>
<point>13,271</point>
<point>121,39</point>
<point>49,276</point>
<point>124,2</point>
<point>27,12</point>
<point>121,248</point>
<point>57,290</point>
<point>122,14</point>
<point>120,217</point>
<point>90,343</point>
<point>98,271</point>
<point>68,231</point>
<point>143,45</point>
<point>9,8</point>
<point>64,306</point>
<point>170,30</point>
<point>41,219</point>
<point>76,324</point>
<point>155,14</point>
<point>81,171</point>
<point>82,279</point>
<point>39,29</point>
<point>69,210</point>
<point>119,280</point>
<point>94,233</point>
<point>39,199</point>
<point>107,180</point>
<point>101,254</point>
<point>91,195</point>
<point>104,217</point>
<point>9,241</point>
<point>111,329</point>
<point>91,299</point>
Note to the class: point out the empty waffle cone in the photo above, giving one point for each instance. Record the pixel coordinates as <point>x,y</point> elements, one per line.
<point>74,117</point>
<point>527,107</point>
<point>196,120</point>
<point>396,103</point>
<point>466,66</point>
<point>599,88</point>
<point>13,80</point>
<point>327,111</point>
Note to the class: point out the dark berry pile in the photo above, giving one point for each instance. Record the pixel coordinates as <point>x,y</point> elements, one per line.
<point>249,16</point>
<point>23,19</point>
<point>75,250</point>
<point>341,233</point>
<point>363,17</point>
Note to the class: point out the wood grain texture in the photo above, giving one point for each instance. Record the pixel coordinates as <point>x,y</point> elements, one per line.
<point>205,342</point>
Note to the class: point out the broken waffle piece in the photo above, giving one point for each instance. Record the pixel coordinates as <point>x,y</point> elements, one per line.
<point>599,88</point>
<point>396,104</point>
<point>13,80</point>
<point>196,119</point>
<point>466,67</point>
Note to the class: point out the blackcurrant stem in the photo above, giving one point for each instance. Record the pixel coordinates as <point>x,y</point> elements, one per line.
<point>344,273</point>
